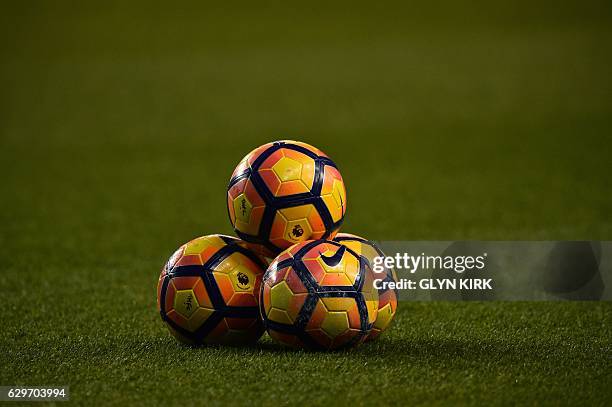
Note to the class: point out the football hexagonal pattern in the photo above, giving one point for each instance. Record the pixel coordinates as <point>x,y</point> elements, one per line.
<point>284,193</point>
<point>387,299</point>
<point>208,292</point>
<point>320,295</point>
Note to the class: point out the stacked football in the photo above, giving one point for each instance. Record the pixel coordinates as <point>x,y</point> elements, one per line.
<point>289,271</point>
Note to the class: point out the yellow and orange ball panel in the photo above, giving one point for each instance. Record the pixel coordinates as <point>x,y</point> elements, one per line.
<point>283,193</point>
<point>208,292</point>
<point>319,295</point>
<point>387,298</point>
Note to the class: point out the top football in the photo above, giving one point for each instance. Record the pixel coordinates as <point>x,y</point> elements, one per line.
<point>283,193</point>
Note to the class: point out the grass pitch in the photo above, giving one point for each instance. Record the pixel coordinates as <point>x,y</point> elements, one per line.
<point>115,351</point>
<point>120,125</point>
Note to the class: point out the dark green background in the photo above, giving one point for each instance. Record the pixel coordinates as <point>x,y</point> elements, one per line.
<point>120,124</point>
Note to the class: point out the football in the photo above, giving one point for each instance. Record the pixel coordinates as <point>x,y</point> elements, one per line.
<point>208,292</point>
<point>319,295</point>
<point>387,298</point>
<point>283,193</point>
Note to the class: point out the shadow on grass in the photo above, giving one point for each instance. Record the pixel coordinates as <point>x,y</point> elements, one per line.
<point>390,349</point>
<point>439,349</point>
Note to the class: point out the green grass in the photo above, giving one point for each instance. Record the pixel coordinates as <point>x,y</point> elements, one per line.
<point>120,125</point>
<point>546,353</point>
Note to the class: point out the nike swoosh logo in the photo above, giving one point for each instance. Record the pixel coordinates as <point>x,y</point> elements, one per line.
<point>332,261</point>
